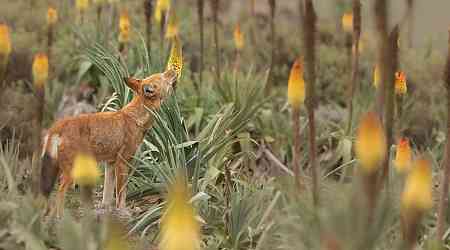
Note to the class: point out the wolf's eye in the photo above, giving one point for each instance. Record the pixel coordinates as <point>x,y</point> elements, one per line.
<point>148,90</point>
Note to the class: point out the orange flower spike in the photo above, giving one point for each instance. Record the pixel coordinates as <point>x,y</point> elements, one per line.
<point>417,194</point>
<point>347,22</point>
<point>400,83</point>
<point>238,37</point>
<point>403,155</point>
<point>370,145</point>
<point>40,70</point>
<point>52,16</point>
<point>124,27</point>
<point>296,85</point>
<point>172,26</point>
<point>5,43</point>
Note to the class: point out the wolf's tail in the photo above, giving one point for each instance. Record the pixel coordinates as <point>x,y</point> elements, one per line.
<point>49,167</point>
<point>49,172</point>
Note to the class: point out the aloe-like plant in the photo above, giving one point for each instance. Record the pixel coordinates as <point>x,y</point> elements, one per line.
<point>168,145</point>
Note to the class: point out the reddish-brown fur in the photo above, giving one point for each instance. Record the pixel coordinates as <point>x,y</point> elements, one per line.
<point>112,137</point>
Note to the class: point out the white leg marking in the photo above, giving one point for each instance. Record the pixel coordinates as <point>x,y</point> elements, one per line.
<point>44,147</point>
<point>54,145</point>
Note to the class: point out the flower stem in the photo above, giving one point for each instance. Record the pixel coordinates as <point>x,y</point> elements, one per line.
<point>390,99</point>
<point>148,8</point>
<point>443,200</point>
<point>310,61</point>
<point>272,42</point>
<point>297,145</point>
<point>50,38</point>
<point>200,10</point>
<point>410,16</point>
<point>355,59</point>
<point>215,9</point>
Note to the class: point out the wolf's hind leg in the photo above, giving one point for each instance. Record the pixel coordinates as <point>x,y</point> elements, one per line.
<point>65,183</point>
<point>108,187</point>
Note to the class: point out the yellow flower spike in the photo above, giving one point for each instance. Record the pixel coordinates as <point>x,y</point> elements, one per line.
<point>238,37</point>
<point>347,22</point>
<point>370,145</point>
<point>376,76</point>
<point>161,6</point>
<point>82,5</point>
<point>164,5</point>
<point>116,237</point>
<point>176,57</point>
<point>172,26</point>
<point>158,15</point>
<point>40,70</point>
<point>403,156</point>
<point>360,47</point>
<point>124,27</point>
<point>85,171</point>
<point>52,16</point>
<point>417,194</point>
<point>180,229</point>
<point>400,83</point>
<point>296,84</point>
<point>5,45</point>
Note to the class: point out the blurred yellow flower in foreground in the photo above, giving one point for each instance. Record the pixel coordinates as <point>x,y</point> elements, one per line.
<point>116,237</point>
<point>370,145</point>
<point>5,41</point>
<point>85,171</point>
<point>172,26</point>
<point>179,228</point>
<point>238,37</point>
<point>82,5</point>
<point>124,27</point>
<point>40,70</point>
<point>400,83</point>
<point>347,22</point>
<point>176,57</point>
<point>296,84</point>
<point>417,194</point>
<point>52,16</point>
<point>403,156</point>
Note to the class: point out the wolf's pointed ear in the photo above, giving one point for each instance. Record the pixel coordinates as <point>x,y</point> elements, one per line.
<point>170,76</point>
<point>133,83</point>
